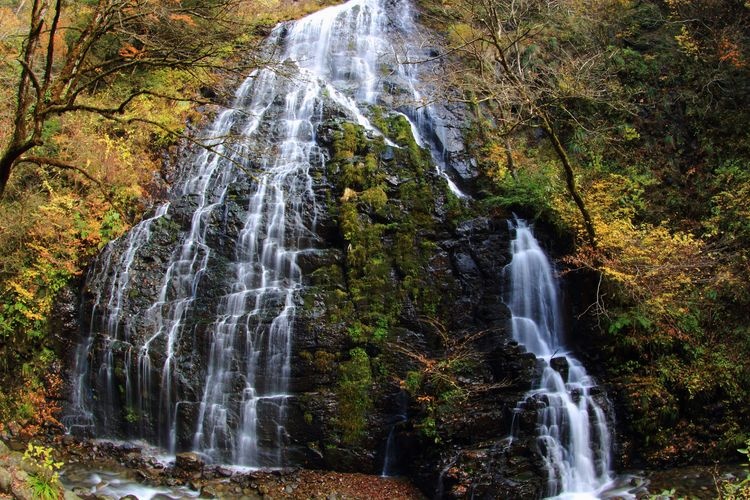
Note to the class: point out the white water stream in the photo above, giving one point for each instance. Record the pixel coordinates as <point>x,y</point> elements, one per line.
<point>573,435</point>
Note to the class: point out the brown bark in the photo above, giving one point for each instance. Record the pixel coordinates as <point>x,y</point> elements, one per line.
<point>48,87</point>
<point>7,162</point>
<point>570,181</point>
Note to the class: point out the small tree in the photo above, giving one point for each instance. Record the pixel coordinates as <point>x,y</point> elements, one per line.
<point>72,49</point>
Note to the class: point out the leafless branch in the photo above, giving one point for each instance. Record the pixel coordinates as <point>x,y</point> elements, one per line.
<point>54,162</point>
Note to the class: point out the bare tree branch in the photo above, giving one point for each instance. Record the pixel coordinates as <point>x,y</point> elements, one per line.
<point>52,82</point>
<point>54,162</point>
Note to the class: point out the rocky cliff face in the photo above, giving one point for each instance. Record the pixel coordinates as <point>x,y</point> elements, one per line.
<point>400,344</point>
<point>402,296</point>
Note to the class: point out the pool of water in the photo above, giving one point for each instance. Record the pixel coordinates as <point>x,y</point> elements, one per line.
<point>692,482</point>
<point>118,483</point>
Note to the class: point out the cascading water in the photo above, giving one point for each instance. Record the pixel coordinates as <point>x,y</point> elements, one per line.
<point>429,129</point>
<point>573,435</point>
<point>239,343</point>
<point>79,416</point>
<point>266,279</point>
<point>392,460</point>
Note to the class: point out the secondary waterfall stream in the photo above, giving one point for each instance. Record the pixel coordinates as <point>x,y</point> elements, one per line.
<point>573,435</point>
<point>128,384</point>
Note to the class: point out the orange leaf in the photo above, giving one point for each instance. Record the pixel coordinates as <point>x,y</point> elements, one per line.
<point>183,18</point>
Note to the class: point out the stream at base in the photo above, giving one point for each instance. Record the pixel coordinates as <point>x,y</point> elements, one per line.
<point>112,481</point>
<point>117,483</point>
<point>105,470</point>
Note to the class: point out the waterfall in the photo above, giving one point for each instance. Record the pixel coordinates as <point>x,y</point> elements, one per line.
<point>573,435</point>
<point>392,461</point>
<point>429,129</point>
<point>107,309</point>
<point>266,278</point>
<point>149,338</point>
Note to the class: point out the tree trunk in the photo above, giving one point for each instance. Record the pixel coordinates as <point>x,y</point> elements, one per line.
<point>570,181</point>
<point>509,158</point>
<point>8,161</point>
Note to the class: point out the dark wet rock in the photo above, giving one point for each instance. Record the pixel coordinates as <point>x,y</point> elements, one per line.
<point>64,318</point>
<point>465,265</point>
<point>209,491</point>
<point>16,444</point>
<point>82,492</point>
<point>69,440</point>
<point>560,365</point>
<point>223,472</point>
<point>480,225</point>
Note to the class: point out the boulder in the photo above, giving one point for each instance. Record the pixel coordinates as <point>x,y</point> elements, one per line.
<point>188,462</point>
<point>560,365</point>
<point>209,491</point>
<point>69,495</point>
<point>16,445</point>
<point>20,488</point>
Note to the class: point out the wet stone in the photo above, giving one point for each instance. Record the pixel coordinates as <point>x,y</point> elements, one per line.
<point>81,492</point>
<point>16,445</point>
<point>466,265</point>
<point>5,480</point>
<point>560,365</point>
<point>223,472</point>
<point>387,154</point>
<point>209,491</point>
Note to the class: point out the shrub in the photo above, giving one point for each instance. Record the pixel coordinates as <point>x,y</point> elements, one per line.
<point>45,481</point>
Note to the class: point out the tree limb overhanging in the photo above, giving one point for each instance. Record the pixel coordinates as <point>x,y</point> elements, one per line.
<point>54,77</point>
<point>54,162</point>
